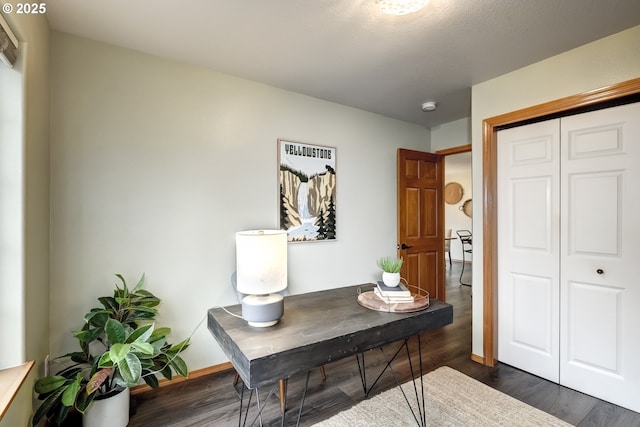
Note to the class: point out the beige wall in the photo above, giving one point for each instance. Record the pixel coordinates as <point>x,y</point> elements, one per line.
<point>452,134</point>
<point>24,282</point>
<point>155,165</point>
<point>448,135</point>
<point>607,61</point>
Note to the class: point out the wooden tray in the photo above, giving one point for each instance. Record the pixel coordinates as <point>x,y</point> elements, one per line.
<point>371,301</point>
<point>453,193</point>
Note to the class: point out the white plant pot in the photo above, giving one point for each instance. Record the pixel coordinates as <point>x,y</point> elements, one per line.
<point>110,412</point>
<point>391,279</point>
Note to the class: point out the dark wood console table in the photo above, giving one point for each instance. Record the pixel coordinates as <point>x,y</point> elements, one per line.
<point>317,328</point>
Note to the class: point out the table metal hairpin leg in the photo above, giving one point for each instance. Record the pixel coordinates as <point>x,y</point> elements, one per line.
<point>261,407</point>
<point>304,394</point>
<point>363,371</point>
<point>420,418</point>
<point>246,415</point>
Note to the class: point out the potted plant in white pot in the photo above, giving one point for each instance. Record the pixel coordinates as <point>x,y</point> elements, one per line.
<point>119,346</point>
<point>391,267</point>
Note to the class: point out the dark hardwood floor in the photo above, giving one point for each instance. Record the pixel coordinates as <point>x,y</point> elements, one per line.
<point>213,401</point>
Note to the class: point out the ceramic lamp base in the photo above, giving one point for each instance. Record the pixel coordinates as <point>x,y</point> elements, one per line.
<point>262,310</point>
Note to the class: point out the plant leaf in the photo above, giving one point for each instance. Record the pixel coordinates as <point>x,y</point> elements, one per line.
<point>147,298</point>
<point>142,334</point>
<point>97,317</point>
<point>49,384</point>
<point>145,309</point>
<point>84,400</point>
<point>58,416</point>
<point>119,382</point>
<point>166,371</point>
<point>146,362</point>
<point>123,301</point>
<point>71,371</point>
<point>159,345</point>
<point>105,361</point>
<point>181,346</point>
<point>124,284</point>
<point>143,347</point>
<point>86,336</point>
<point>118,352</point>
<point>151,380</point>
<point>159,333</point>
<point>130,369</point>
<point>47,405</point>
<point>71,391</point>
<point>180,366</point>
<point>78,357</point>
<point>109,303</point>
<point>115,331</point>
<point>140,283</point>
<point>98,379</point>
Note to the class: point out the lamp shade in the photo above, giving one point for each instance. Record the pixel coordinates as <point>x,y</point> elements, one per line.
<point>261,261</point>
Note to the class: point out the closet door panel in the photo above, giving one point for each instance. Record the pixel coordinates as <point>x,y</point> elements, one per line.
<point>600,259</point>
<point>590,343</point>
<point>528,257</point>
<point>532,329</point>
<point>594,229</point>
<point>531,214</point>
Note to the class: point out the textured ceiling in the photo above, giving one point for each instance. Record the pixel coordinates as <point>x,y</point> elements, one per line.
<point>346,51</point>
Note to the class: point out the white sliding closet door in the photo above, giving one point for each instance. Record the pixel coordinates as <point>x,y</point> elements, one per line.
<point>528,248</point>
<point>568,248</point>
<point>600,248</point>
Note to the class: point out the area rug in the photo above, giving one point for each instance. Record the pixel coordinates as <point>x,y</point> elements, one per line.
<point>451,399</point>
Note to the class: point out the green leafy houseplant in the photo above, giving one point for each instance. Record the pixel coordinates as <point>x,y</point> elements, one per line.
<point>119,346</point>
<point>390,264</point>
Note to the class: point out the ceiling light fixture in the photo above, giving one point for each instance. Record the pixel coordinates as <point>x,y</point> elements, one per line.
<point>400,7</point>
<point>428,106</point>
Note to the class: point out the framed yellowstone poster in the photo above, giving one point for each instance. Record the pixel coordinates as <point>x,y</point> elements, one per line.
<point>307,180</point>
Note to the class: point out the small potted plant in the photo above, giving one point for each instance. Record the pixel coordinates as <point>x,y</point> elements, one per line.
<point>391,267</point>
<point>119,346</point>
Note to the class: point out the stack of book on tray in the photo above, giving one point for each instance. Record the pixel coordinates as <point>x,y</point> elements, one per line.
<point>398,294</point>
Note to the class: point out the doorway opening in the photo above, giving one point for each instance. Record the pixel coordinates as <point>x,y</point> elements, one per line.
<point>458,209</point>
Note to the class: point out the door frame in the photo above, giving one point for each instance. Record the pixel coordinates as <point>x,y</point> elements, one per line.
<point>459,149</point>
<point>590,100</point>
<point>455,150</point>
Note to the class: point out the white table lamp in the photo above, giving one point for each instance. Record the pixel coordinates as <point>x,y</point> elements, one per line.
<point>261,265</point>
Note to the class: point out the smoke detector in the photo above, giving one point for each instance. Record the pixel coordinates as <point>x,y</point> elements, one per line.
<point>428,106</point>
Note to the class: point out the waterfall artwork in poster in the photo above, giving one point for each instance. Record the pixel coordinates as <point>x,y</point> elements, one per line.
<point>307,191</point>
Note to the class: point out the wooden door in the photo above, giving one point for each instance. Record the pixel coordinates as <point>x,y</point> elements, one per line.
<point>528,248</point>
<point>600,225</point>
<point>421,220</point>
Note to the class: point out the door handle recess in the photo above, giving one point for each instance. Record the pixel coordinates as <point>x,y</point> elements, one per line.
<point>600,271</point>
